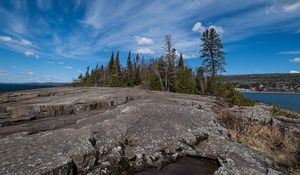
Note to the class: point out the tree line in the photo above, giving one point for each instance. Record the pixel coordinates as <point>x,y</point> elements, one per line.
<point>168,72</point>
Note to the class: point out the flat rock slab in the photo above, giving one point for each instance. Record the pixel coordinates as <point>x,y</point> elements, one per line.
<point>70,130</point>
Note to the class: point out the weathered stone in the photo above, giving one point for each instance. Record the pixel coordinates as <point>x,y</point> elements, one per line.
<point>117,130</point>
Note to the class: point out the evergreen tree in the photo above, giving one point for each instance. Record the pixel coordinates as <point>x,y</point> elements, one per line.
<point>184,81</point>
<point>143,70</point>
<point>129,69</point>
<point>180,62</point>
<point>136,70</point>
<point>159,69</point>
<point>163,74</point>
<point>80,77</point>
<point>153,81</point>
<point>87,77</point>
<point>213,59</point>
<point>87,71</point>
<point>111,65</point>
<point>117,64</point>
<point>114,70</point>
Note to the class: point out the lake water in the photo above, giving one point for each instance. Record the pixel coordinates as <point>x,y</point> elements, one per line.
<point>283,100</point>
<point>19,87</point>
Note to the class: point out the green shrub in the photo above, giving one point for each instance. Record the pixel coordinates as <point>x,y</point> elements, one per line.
<point>276,111</point>
<point>233,97</point>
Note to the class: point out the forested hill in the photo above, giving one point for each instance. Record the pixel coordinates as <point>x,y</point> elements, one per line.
<point>282,78</point>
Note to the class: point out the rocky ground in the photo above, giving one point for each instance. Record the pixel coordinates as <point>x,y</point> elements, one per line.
<point>129,131</point>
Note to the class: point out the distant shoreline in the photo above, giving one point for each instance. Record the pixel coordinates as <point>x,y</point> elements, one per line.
<point>268,92</point>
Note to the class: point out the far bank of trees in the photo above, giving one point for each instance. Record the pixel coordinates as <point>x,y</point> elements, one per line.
<point>168,72</point>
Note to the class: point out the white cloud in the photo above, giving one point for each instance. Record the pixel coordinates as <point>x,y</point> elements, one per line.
<point>10,40</point>
<point>96,32</point>
<point>60,62</point>
<point>295,60</point>
<point>68,67</point>
<point>25,42</point>
<point>28,73</point>
<point>50,62</point>
<point>145,51</point>
<point>143,40</point>
<point>287,6</point>
<point>30,54</point>
<point>294,72</point>
<point>291,7</point>
<point>189,56</point>
<point>6,39</point>
<point>199,28</point>
<point>291,52</point>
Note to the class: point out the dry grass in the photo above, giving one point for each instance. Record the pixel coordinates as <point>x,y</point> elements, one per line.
<point>270,138</point>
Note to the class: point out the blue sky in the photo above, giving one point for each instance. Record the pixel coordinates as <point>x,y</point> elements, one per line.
<point>44,40</point>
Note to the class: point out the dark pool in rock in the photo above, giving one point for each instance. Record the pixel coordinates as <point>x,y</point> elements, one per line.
<point>185,165</point>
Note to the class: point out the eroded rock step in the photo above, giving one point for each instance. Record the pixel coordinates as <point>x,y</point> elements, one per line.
<point>23,114</point>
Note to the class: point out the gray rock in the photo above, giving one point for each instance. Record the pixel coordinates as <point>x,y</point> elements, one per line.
<point>113,130</point>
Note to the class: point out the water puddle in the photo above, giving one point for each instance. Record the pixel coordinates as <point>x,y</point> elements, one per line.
<point>185,165</point>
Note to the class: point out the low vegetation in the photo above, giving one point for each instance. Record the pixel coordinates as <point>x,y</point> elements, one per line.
<point>276,111</point>
<point>233,97</point>
<point>169,72</point>
<point>269,137</point>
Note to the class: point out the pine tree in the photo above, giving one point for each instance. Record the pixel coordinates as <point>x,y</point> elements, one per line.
<point>87,71</point>
<point>129,69</point>
<point>153,80</point>
<point>136,70</point>
<point>143,69</point>
<point>112,71</point>
<point>159,69</point>
<point>213,59</point>
<point>180,62</point>
<point>117,64</point>
<point>92,81</point>
<point>185,82</point>
<point>111,65</point>
<point>87,77</point>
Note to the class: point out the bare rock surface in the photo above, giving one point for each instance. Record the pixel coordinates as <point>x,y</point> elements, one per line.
<point>119,131</point>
